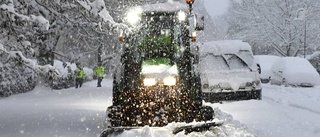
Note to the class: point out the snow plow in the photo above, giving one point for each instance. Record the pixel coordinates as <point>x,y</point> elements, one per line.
<point>157,82</point>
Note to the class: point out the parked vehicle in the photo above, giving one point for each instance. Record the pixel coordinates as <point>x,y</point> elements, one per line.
<point>265,62</point>
<point>294,71</point>
<point>314,59</point>
<point>228,71</point>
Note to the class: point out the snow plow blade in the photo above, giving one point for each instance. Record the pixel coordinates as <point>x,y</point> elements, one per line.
<point>195,127</point>
<point>115,131</point>
<point>231,96</point>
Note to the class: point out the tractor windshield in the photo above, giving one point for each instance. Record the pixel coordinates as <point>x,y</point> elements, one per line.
<point>158,36</point>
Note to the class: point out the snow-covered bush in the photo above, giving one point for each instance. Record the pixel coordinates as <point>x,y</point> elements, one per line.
<point>314,59</point>
<point>15,77</point>
<point>19,74</point>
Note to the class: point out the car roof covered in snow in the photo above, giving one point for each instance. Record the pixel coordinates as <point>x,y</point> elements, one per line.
<point>294,62</point>
<point>293,65</point>
<point>295,70</point>
<point>164,7</point>
<point>224,46</point>
<point>266,61</point>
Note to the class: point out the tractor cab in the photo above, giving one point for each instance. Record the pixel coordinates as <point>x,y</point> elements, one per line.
<point>158,45</point>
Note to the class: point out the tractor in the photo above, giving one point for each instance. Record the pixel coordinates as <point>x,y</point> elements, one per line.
<point>157,81</point>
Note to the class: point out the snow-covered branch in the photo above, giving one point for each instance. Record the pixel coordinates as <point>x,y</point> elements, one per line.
<point>98,8</point>
<point>44,70</point>
<point>275,23</point>
<point>42,22</point>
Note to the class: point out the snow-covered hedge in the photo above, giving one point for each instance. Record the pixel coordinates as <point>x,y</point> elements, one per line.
<point>314,59</point>
<point>19,74</point>
<point>15,77</point>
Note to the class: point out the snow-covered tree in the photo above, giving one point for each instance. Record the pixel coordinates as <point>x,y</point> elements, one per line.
<point>274,25</point>
<point>21,30</point>
<point>32,29</point>
<point>35,32</point>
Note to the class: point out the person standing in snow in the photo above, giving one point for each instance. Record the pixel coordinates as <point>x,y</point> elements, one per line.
<point>99,72</point>
<point>79,75</point>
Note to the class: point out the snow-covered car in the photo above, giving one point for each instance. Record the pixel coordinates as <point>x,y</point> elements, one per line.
<point>228,71</point>
<point>314,59</point>
<point>294,71</point>
<point>265,62</point>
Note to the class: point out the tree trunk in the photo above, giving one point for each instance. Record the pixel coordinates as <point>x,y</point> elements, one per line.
<point>100,54</point>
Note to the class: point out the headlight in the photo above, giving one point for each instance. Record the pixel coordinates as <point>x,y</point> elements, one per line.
<point>182,16</point>
<point>134,16</point>
<point>149,81</point>
<point>170,81</point>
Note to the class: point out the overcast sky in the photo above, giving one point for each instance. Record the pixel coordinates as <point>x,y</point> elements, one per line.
<point>216,7</point>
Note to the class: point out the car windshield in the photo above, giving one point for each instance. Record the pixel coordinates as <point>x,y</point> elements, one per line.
<point>213,62</point>
<point>247,57</point>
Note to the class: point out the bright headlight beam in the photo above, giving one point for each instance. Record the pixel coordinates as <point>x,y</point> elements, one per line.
<point>170,81</point>
<point>182,16</point>
<point>134,16</point>
<point>149,81</point>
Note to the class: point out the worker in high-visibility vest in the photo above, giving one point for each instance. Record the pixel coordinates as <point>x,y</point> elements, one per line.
<point>99,72</point>
<point>79,75</point>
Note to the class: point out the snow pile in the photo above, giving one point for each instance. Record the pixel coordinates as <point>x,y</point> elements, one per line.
<point>146,132</point>
<point>282,112</point>
<point>229,128</point>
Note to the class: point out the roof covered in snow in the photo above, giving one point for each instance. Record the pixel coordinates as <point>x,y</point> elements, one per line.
<point>170,6</point>
<point>224,46</point>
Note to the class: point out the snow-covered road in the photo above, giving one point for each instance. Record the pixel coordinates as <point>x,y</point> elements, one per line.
<point>282,112</point>
<point>56,113</point>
